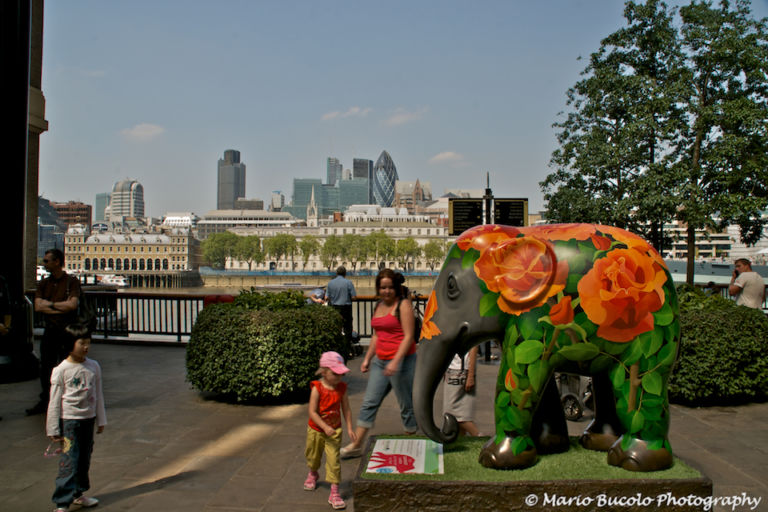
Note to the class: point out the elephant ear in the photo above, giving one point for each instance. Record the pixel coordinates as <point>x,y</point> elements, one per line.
<point>522,270</point>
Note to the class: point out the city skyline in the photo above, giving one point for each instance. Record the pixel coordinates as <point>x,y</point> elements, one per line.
<point>450,90</point>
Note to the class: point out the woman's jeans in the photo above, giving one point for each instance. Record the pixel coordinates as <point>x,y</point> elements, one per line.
<point>378,387</point>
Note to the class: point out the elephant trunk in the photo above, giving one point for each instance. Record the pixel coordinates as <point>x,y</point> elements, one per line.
<point>433,359</point>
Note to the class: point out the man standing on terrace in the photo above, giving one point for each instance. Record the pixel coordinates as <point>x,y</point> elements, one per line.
<point>57,298</point>
<point>747,285</point>
<point>340,292</point>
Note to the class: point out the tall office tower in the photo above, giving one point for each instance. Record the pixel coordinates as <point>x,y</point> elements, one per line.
<point>384,178</point>
<point>126,200</point>
<point>363,168</point>
<point>102,201</point>
<point>333,169</point>
<point>231,180</point>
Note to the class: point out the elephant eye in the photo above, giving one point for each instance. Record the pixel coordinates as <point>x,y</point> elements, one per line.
<point>453,288</point>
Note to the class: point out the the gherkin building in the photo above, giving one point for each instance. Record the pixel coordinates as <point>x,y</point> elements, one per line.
<point>384,178</point>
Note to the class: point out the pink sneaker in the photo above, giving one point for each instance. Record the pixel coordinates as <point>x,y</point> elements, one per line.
<point>310,484</point>
<point>335,498</point>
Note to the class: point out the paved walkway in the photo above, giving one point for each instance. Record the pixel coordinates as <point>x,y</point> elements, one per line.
<point>168,448</point>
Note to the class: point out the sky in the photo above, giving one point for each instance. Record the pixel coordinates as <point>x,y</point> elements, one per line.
<point>454,91</point>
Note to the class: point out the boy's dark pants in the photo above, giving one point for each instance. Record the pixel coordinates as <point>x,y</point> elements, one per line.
<point>73,481</point>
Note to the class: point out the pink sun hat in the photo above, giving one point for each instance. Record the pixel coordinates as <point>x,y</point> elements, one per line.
<point>334,362</point>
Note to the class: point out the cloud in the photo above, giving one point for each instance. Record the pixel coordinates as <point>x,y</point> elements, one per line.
<point>403,116</point>
<point>143,132</point>
<point>447,157</point>
<point>352,112</point>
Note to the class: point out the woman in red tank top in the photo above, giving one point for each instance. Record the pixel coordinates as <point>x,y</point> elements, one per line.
<point>390,359</point>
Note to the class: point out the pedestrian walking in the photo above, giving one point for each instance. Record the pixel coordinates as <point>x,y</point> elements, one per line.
<point>328,402</point>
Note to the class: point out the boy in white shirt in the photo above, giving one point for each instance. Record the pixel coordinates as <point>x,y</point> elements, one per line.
<point>76,406</point>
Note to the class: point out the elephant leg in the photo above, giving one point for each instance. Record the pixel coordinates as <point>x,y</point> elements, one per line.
<point>512,447</point>
<point>549,429</point>
<point>644,414</point>
<point>603,431</point>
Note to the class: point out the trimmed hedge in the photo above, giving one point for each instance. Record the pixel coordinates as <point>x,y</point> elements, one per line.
<point>266,353</point>
<point>723,358</point>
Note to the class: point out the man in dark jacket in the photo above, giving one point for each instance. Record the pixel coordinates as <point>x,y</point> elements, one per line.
<point>57,298</point>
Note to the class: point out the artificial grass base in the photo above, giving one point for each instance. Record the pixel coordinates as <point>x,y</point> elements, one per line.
<point>579,479</point>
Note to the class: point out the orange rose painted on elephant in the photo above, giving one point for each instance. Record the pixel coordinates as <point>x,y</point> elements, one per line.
<point>621,292</point>
<point>601,243</point>
<point>482,237</point>
<point>563,231</point>
<point>429,328</point>
<point>524,271</point>
<point>562,312</point>
<point>633,242</point>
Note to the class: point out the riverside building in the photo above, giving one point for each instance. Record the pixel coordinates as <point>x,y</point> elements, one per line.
<point>172,249</point>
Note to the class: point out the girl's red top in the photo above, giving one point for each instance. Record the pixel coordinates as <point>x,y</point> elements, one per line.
<point>329,406</point>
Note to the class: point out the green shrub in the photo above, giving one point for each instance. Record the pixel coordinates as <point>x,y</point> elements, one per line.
<point>273,301</point>
<point>257,354</point>
<point>723,356</point>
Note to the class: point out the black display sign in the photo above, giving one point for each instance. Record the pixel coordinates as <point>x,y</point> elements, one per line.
<point>510,212</point>
<point>464,214</point>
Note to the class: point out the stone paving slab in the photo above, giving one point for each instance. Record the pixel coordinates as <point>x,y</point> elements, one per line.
<point>168,448</point>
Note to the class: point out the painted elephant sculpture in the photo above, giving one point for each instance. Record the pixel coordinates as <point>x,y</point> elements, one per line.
<point>582,298</point>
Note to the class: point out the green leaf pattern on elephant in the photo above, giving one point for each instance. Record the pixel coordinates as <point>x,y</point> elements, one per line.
<point>651,341</point>
<point>633,354</point>
<point>664,316</point>
<point>638,420</point>
<point>529,324</point>
<point>579,352</point>
<point>520,444</point>
<point>652,383</point>
<point>618,376</point>
<point>667,354</point>
<point>538,373</point>
<point>516,418</point>
<point>528,351</point>
<point>489,305</point>
<point>572,283</point>
<point>454,253</point>
<point>600,364</point>
<point>469,259</point>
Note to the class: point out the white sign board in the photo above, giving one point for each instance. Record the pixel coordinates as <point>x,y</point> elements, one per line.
<point>412,456</point>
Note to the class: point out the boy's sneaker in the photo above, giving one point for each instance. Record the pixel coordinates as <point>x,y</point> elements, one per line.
<point>335,498</point>
<point>85,501</point>
<point>311,482</point>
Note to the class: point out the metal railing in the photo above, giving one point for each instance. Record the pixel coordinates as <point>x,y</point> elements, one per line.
<point>170,317</point>
<point>141,316</point>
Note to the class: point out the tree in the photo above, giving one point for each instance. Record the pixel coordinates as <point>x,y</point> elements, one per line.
<point>309,246</point>
<point>406,250</point>
<point>723,170</point>
<point>330,251</point>
<point>613,156</point>
<point>434,252</point>
<point>354,249</point>
<point>669,124</point>
<point>281,245</point>
<point>381,246</point>
<point>218,247</point>
<point>248,249</point>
